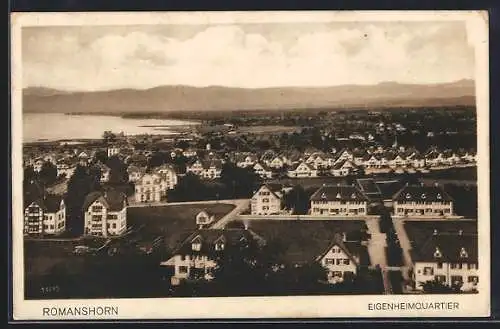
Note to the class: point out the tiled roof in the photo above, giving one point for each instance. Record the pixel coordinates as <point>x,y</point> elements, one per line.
<point>422,193</point>
<point>113,200</point>
<point>447,248</point>
<point>50,203</point>
<point>339,192</point>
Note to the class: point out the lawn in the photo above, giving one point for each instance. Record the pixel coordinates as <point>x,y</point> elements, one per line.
<point>173,222</point>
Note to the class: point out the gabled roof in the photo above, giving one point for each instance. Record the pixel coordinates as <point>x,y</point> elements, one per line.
<point>50,203</point>
<point>337,241</point>
<point>111,199</point>
<point>263,165</point>
<point>294,167</point>
<point>339,192</point>
<point>422,193</point>
<point>450,248</point>
<point>208,238</point>
<point>274,188</point>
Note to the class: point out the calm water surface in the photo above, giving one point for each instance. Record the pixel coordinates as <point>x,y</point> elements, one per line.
<point>56,126</point>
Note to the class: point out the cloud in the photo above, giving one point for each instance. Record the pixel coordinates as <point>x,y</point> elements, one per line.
<point>234,56</point>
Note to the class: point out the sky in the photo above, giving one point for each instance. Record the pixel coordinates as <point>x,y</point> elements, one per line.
<point>245,55</point>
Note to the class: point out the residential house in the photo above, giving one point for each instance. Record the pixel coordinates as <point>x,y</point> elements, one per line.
<point>342,169</point>
<point>344,154</point>
<point>135,173</point>
<point>105,172</point>
<point>372,161</point>
<point>105,213</point>
<point>150,188</point>
<point>45,216</point>
<point>263,170</point>
<point>279,162</point>
<point>204,219</point>
<point>420,200</point>
<point>340,262</point>
<point>268,200</point>
<point>169,175</point>
<point>210,169</point>
<point>196,258</point>
<point>65,168</point>
<point>450,258</point>
<point>189,153</point>
<point>339,200</point>
<point>113,150</point>
<point>302,170</point>
<point>247,160</point>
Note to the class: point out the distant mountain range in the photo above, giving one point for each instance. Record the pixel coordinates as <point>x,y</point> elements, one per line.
<point>174,98</point>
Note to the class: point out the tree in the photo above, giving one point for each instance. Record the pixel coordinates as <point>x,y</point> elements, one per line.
<point>48,173</point>
<point>239,182</point>
<point>298,200</point>
<point>108,136</point>
<point>82,182</point>
<point>29,174</point>
<point>101,156</point>
<point>118,172</point>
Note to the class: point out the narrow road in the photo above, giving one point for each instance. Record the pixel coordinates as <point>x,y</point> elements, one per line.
<point>162,204</point>
<point>377,244</point>
<point>405,243</point>
<point>241,205</point>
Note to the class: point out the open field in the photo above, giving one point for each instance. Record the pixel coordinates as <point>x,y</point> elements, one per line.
<point>267,129</point>
<point>173,222</point>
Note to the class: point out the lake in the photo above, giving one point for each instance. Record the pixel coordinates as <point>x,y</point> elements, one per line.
<point>58,126</point>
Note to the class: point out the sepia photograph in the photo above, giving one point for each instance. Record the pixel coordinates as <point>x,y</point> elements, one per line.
<point>250,164</point>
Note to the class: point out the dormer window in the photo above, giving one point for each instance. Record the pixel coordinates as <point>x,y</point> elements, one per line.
<point>439,197</point>
<point>338,196</point>
<point>353,196</point>
<point>323,195</point>
<point>435,232</point>
<point>196,244</point>
<point>437,253</point>
<point>424,196</point>
<point>463,253</point>
<point>219,246</point>
<point>408,195</point>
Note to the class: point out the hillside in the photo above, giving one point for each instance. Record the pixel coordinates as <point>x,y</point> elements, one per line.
<point>172,98</point>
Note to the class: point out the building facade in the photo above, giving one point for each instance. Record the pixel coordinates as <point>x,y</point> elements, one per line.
<point>340,200</point>
<point>150,188</point>
<point>422,201</point>
<point>105,213</point>
<point>268,200</point>
<point>45,216</point>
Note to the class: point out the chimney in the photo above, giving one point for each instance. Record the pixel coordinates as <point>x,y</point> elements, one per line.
<point>421,183</point>
<point>436,184</point>
<point>460,232</point>
<point>406,184</point>
<point>435,232</point>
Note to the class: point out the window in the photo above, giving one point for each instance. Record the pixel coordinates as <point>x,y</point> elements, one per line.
<point>265,200</point>
<point>196,246</point>
<point>96,208</point>
<point>338,261</point>
<point>456,279</point>
<point>471,266</point>
<point>183,269</point>
<point>96,218</point>
<point>113,225</point>
<point>347,261</point>
<point>439,265</point>
<point>329,261</point>
<point>219,246</point>
<point>473,279</point>
<point>428,271</point>
<point>337,274</point>
<point>112,216</point>
<point>440,278</point>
